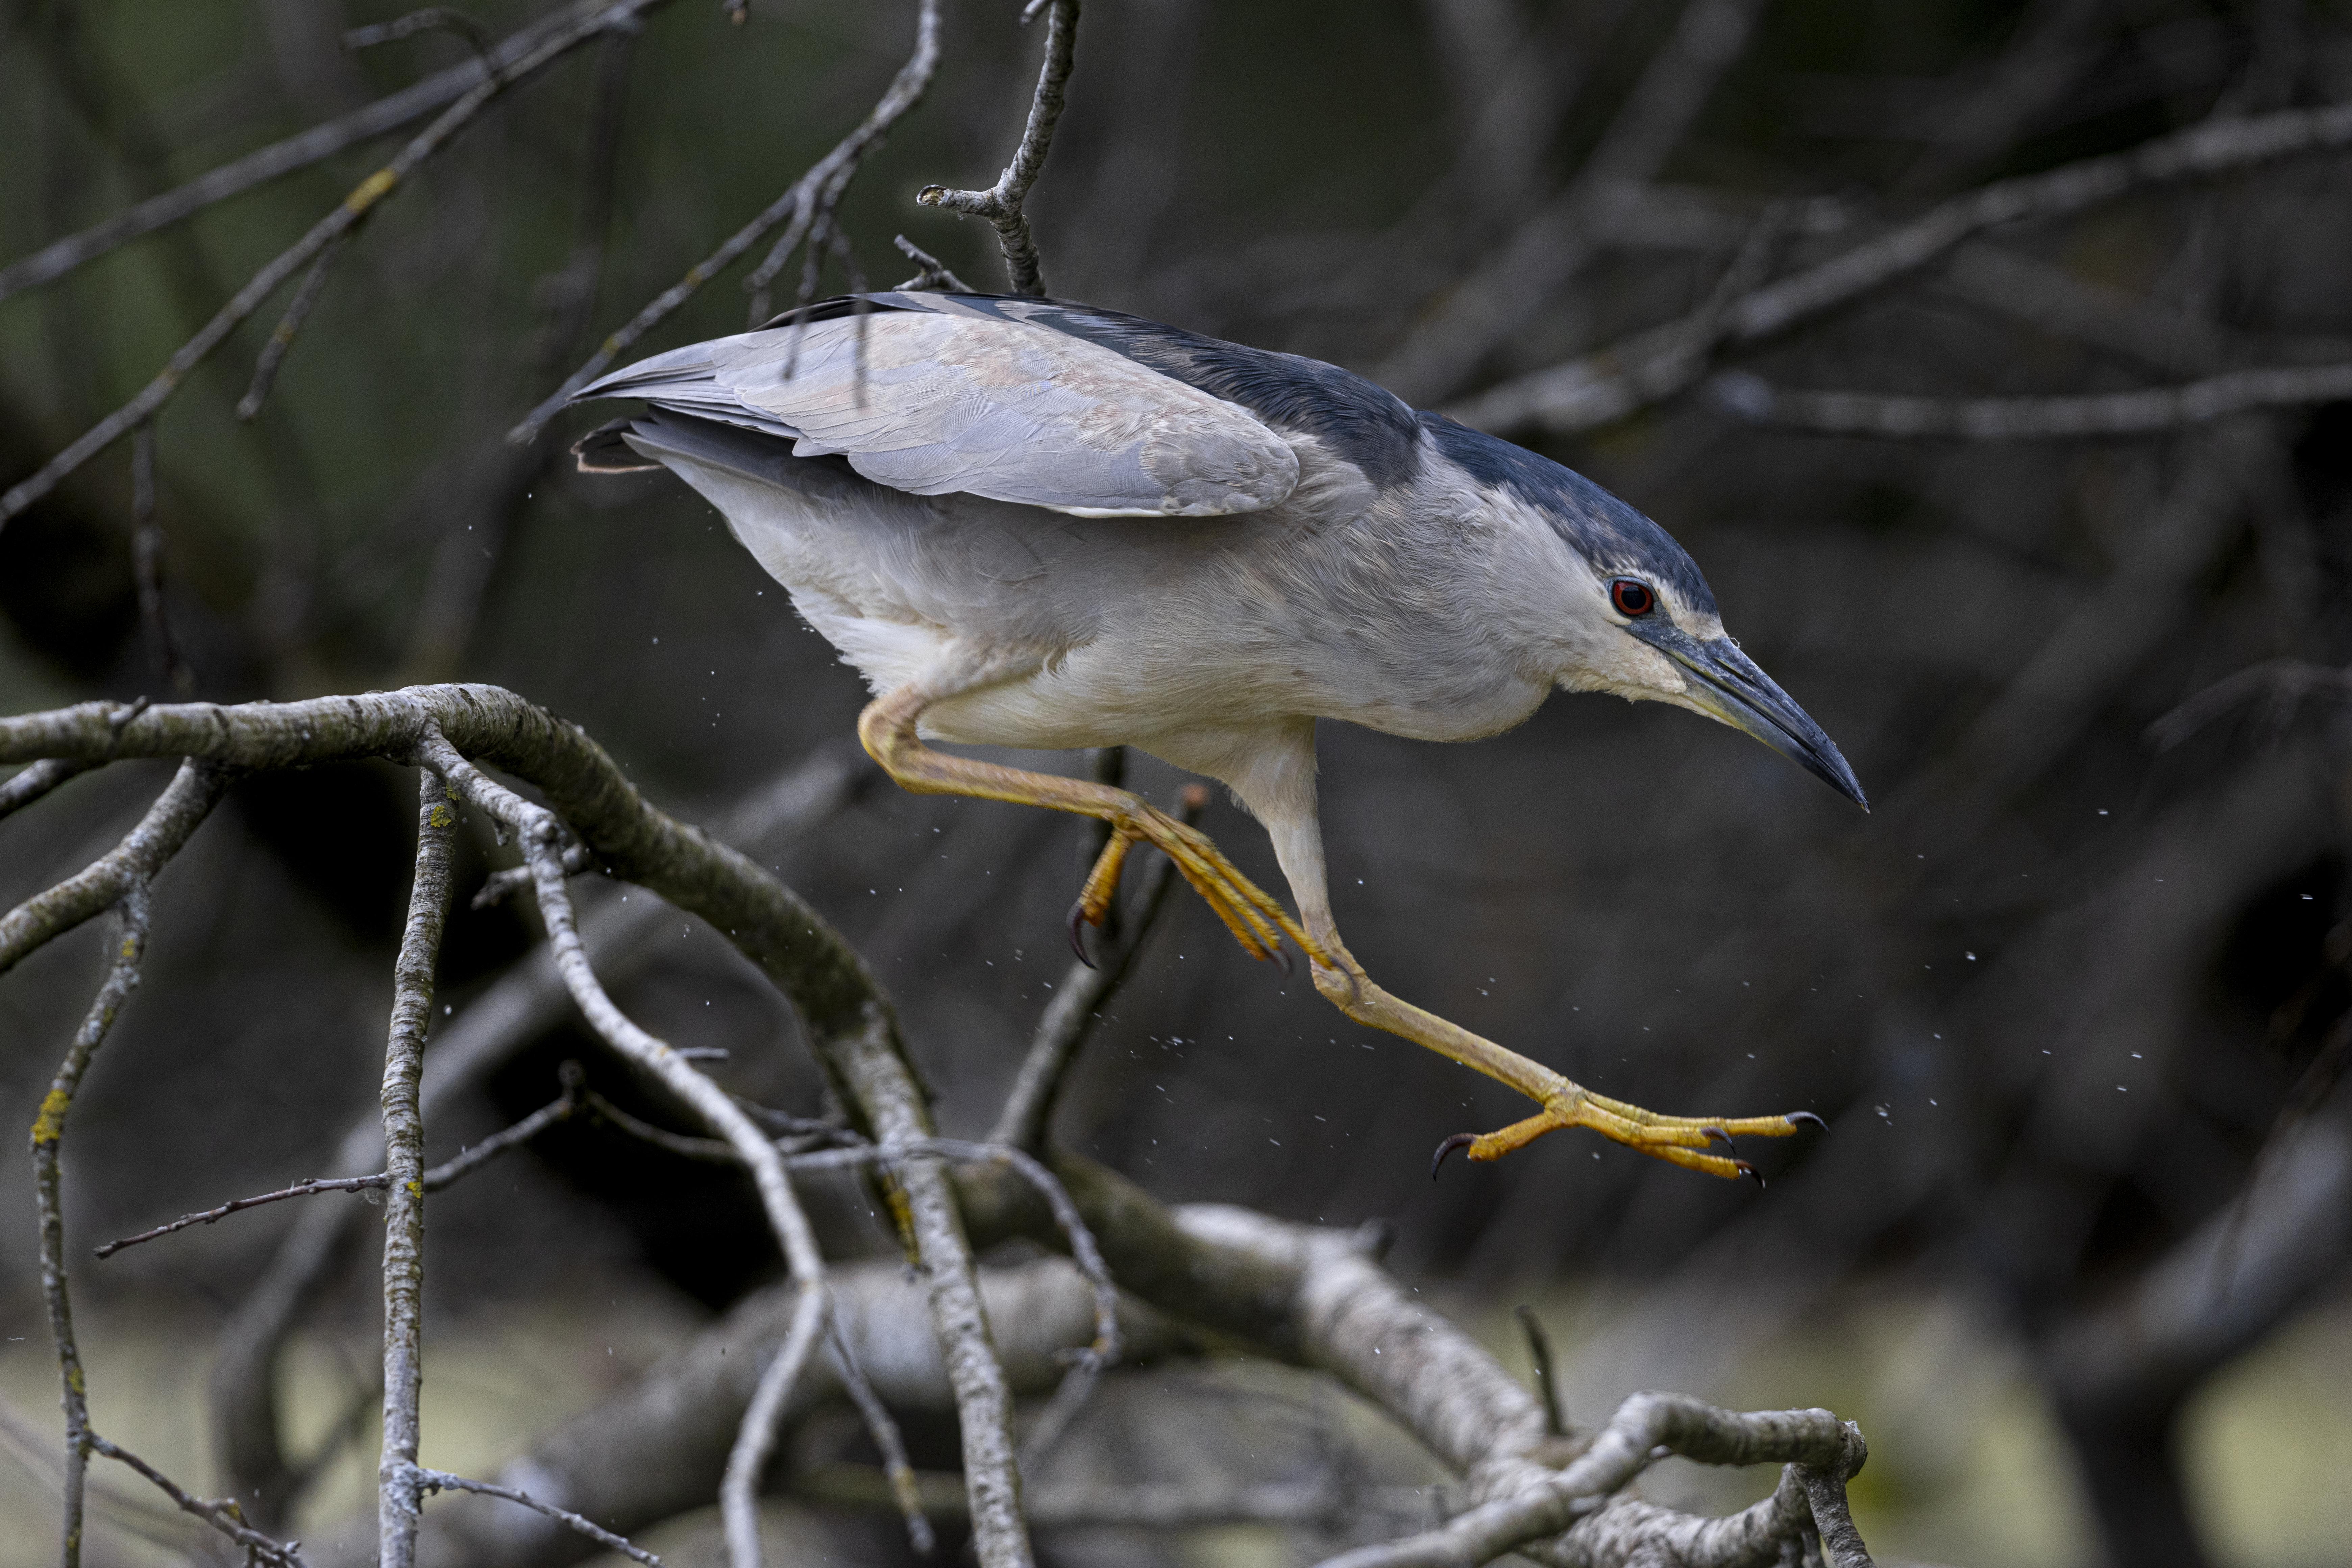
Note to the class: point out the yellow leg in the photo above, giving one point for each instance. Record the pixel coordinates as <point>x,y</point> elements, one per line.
<point>1679,1139</point>
<point>1257,921</point>
<point>1260,923</point>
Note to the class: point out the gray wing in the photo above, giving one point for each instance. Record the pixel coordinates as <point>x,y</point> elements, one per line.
<point>936,398</point>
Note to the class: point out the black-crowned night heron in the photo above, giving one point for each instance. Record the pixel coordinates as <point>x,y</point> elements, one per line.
<point>1034,524</point>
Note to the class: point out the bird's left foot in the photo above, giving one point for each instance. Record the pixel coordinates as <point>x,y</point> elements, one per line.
<point>1688,1141</point>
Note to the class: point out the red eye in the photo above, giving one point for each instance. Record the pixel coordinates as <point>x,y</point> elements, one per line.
<point>1632,598</point>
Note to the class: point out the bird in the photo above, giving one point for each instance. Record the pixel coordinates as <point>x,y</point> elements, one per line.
<point>1038,524</point>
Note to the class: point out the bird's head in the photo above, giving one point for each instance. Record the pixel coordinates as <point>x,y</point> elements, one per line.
<point>1640,619</point>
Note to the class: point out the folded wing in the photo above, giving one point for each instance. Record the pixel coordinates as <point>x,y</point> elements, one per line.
<point>929,395</point>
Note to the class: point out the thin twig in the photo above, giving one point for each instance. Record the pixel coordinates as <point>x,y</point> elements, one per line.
<point>431,19</point>
<point>1656,363</point>
<point>47,1140</point>
<point>935,273</point>
<point>516,1008</point>
<point>221,1513</point>
<point>1555,1401</point>
<point>297,310</point>
<point>2148,411</point>
<point>439,1177</point>
<point>1085,990</point>
<point>799,202</point>
<point>1000,203</point>
<point>544,836</point>
<point>762,1423</point>
<point>403,1168</point>
<point>429,1481</point>
<point>905,1489</point>
<point>347,215</point>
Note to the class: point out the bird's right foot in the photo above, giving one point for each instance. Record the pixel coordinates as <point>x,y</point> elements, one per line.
<point>1256,917</point>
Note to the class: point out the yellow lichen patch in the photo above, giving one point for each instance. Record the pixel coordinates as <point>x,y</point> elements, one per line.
<point>51,1124</point>
<point>441,816</point>
<point>370,190</point>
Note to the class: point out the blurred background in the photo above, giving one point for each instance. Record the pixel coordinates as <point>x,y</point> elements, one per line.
<point>2072,997</point>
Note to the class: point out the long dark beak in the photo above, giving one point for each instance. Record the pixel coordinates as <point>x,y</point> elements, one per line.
<point>1729,686</point>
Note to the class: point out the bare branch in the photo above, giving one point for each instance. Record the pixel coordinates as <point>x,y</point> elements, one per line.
<point>31,784</point>
<point>1144,1505</point>
<point>348,214</point>
<point>298,152</point>
<point>439,1177</point>
<point>1555,1403</point>
<point>403,1147</point>
<point>1083,991</point>
<point>935,273</point>
<point>823,184</point>
<point>524,1002</point>
<point>221,1513</point>
<point>2148,411</point>
<point>2281,680</point>
<point>1000,203</point>
<point>431,19</point>
<point>755,1439</point>
<point>1653,364</point>
<point>1645,1428</point>
<point>147,566</point>
<point>297,310</point>
<point>543,839</point>
<point>177,813</point>
<point>898,1475</point>
<point>441,1480</point>
<point>1554,245</point>
<point>47,1140</point>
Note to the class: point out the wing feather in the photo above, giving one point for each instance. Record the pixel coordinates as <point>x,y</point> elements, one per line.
<point>931,399</point>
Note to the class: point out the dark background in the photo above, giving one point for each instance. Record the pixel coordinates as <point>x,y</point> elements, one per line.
<point>2053,995</point>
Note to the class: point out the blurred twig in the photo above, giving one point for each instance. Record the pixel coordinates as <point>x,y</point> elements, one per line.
<point>347,215</point>
<point>318,143</point>
<point>1647,367</point>
<point>2144,412</point>
<point>818,190</point>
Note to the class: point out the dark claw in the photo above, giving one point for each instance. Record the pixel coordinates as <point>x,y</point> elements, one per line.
<point>1078,923</point>
<point>1749,1170</point>
<point>1798,1117</point>
<point>1459,1141</point>
<point>1282,957</point>
<point>1718,1135</point>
